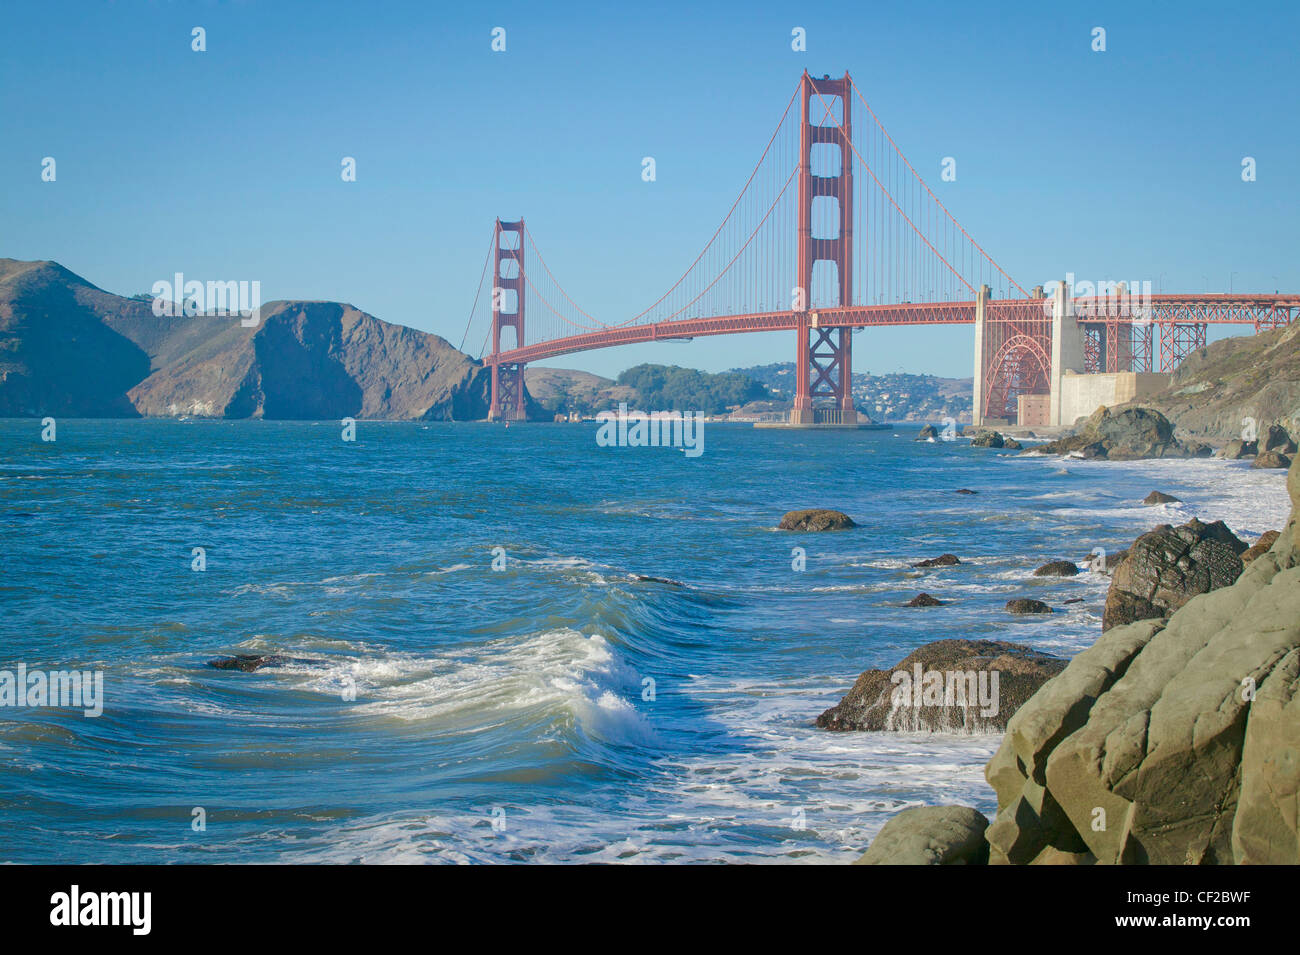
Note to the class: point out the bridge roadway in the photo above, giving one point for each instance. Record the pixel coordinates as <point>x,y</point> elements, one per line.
<point>1219,309</point>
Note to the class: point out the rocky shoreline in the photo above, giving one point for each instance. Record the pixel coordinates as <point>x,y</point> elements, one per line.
<point>1175,738</point>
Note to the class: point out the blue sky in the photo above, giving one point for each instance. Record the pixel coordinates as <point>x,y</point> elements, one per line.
<point>225,164</point>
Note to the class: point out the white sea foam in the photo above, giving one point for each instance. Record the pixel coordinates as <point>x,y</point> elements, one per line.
<point>556,671</point>
<point>1249,500</point>
<point>781,791</point>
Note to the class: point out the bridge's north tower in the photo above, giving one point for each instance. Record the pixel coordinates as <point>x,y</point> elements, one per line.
<point>824,352</point>
<point>507,312</point>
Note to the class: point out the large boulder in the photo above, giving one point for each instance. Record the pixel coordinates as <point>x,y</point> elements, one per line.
<point>928,433</point>
<point>1057,568</point>
<point>1167,742</point>
<point>945,686</point>
<point>1276,438</point>
<point>987,439</point>
<point>1123,436</point>
<point>816,519</point>
<point>1261,546</point>
<point>1271,459</point>
<point>930,835</point>
<point>1237,448</point>
<point>1168,566</point>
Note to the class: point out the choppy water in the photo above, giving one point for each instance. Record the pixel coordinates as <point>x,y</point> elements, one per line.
<point>506,715</point>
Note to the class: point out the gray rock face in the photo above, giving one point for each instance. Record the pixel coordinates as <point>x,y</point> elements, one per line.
<point>987,439</point>
<point>816,519</point>
<point>945,686</point>
<point>930,835</point>
<point>1277,438</point>
<point>1255,376</point>
<point>1168,566</point>
<point>1271,459</point>
<point>1261,546</point>
<point>1124,435</point>
<point>1171,742</point>
<point>1236,449</point>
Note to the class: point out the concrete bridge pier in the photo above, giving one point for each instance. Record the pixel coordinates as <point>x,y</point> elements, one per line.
<point>977,404</point>
<point>1067,349</point>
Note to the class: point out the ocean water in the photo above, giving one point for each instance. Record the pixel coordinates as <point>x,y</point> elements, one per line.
<point>559,709</point>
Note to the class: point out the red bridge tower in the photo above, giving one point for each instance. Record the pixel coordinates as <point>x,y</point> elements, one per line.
<point>507,312</point>
<point>824,352</point>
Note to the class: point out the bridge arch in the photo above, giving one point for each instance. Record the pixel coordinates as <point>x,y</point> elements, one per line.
<point>1021,366</point>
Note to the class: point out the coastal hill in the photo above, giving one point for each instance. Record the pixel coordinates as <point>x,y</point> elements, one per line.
<point>70,348</point>
<point>1256,376</point>
<point>646,386</point>
<point>566,390</point>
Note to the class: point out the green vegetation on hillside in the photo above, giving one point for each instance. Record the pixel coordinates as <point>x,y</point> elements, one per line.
<point>670,388</point>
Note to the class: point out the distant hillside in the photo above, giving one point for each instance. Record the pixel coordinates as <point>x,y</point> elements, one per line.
<point>892,397</point>
<point>1256,376</point>
<point>69,348</point>
<point>647,387</point>
<point>564,390</point>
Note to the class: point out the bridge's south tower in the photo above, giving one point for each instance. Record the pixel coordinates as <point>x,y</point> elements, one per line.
<point>823,352</point>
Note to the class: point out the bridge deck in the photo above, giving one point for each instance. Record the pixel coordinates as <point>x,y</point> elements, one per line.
<point>1223,309</point>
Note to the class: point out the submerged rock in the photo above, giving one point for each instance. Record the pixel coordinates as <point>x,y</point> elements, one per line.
<point>248,662</point>
<point>1011,444</point>
<point>1027,605</point>
<point>1168,566</point>
<point>960,685</point>
<point>1057,568</point>
<point>943,560</point>
<point>965,490</point>
<point>646,578</point>
<point>924,600</point>
<point>1160,497</point>
<point>931,835</point>
<point>927,433</point>
<point>816,519</point>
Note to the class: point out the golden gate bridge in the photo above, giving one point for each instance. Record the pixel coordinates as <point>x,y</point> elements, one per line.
<point>835,230</point>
